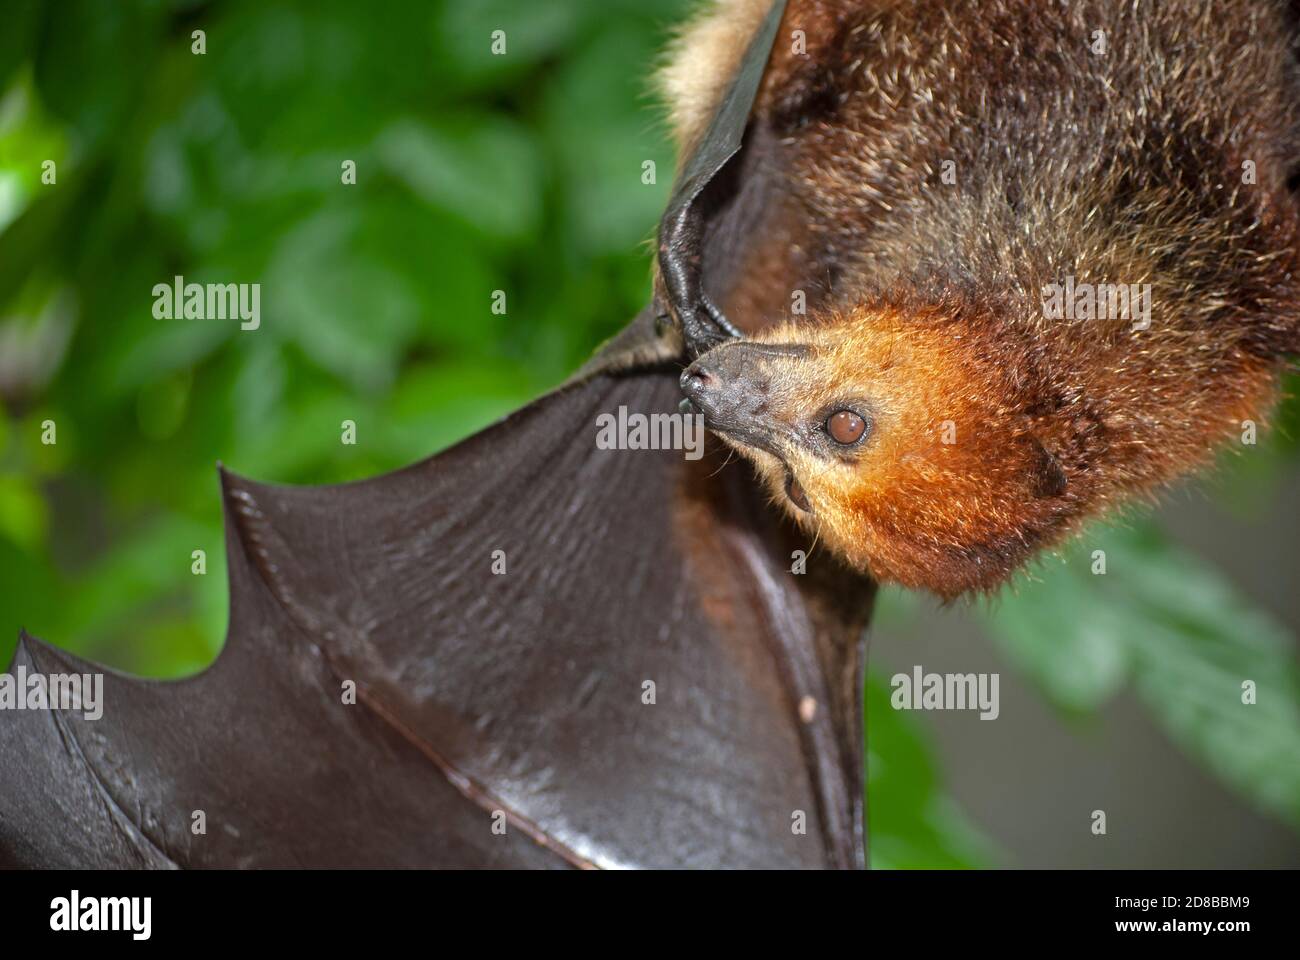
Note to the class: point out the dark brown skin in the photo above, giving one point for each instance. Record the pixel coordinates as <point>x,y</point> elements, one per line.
<point>996,429</point>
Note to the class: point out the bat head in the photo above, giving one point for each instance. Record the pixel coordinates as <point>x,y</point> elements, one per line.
<point>900,444</point>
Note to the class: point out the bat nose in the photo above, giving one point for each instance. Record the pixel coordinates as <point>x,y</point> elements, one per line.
<point>699,380</point>
<point>738,370</point>
<point>718,388</point>
<point>708,389</point>
<point>731,386</point>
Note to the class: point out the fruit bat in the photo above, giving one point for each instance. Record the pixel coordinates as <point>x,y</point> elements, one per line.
<point>872,271</point>
<point>1059,247</point>
<point>526,651</point>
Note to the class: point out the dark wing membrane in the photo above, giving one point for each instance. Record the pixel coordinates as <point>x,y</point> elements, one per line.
<point>259,751</point>
<point>514,700</point>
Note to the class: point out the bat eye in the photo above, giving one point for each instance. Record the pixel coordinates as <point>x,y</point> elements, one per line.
<point>846,427</point>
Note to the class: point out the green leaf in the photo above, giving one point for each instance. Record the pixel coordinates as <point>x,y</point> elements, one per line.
<point>603,148</point>
<point>21,18</point>
<point>1056,632</point>
<point>94,60</point>
<point>912,822</point>
<point>1197,642</point>
<point>532,32</point>
<point>1190,641</point>
<point>486,172</point>
<point>23,514</point>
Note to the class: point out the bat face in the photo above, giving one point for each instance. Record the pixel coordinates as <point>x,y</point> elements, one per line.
<point>893,442</point>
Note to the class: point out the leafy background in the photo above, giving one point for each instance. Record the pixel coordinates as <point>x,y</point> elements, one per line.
<point>475,173</point>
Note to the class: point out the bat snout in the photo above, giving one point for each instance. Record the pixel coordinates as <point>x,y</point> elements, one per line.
<point>731,386</point>
<point>718,391</point>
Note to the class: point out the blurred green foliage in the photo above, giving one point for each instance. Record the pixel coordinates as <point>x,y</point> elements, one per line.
<point>1187,639</point>
<point>474,173</point>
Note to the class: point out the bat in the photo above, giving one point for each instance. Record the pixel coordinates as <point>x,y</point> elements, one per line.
<point>1060,246</point>
<point>535,650</point>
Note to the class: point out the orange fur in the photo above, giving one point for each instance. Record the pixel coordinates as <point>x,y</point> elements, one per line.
<point>948,491</point>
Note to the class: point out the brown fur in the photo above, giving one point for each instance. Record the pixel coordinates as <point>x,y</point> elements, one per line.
<point>701,60</point>
<point>1122,168</point>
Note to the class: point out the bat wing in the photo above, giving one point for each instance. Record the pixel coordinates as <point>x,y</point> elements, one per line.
<point>642,681</point>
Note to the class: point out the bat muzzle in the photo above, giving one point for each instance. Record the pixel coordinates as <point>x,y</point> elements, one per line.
<point>731,386</point>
